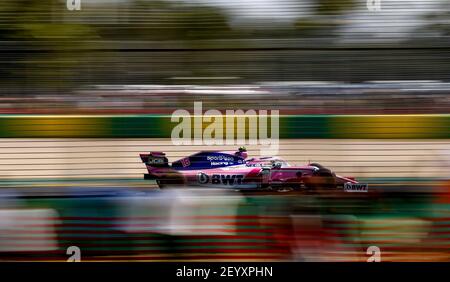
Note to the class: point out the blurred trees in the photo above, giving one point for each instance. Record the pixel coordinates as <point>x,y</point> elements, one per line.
<point>46,46</point>
<point>438,22</point>
<point>43,46</point>
<point>46,50</point>
<point>163,20</point>
<point>325,18</point>
<point>333,7</point>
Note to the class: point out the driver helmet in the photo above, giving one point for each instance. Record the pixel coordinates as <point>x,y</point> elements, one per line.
<point>242,152</point>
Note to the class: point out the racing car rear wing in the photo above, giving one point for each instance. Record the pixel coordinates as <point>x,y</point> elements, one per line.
<point>154,159</point>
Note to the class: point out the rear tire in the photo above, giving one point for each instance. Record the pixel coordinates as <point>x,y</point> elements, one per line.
<point>165,182</point>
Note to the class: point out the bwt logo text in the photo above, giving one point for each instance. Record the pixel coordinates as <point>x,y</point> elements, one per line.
<point>73,5</point>
<point>233,128</point>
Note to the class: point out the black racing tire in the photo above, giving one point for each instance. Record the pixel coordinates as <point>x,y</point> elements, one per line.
<point>173,180</point>
<point>296,187</point>
<point>310,186</point>
<point>317,165</point>
<point>324,178</point>
<point>281,188</point>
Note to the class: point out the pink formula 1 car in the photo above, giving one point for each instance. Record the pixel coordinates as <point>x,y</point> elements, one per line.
<point>224,169</point>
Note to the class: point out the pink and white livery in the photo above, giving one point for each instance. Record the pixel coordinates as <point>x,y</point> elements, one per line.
<point>224,169</point>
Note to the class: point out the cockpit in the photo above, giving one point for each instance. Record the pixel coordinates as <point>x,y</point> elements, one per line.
<point>269,162</point>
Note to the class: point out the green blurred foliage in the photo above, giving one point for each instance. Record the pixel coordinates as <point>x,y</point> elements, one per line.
<point>45,46</point>
<point>60,45</point>
<point>325,18</point>
<point>51,58</point>
<point>334,7</point>
<point>160,20</point>
<point>438,22</point>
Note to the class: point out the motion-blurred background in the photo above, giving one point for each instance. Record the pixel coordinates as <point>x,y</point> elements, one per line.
<point>361,89</point>
<point>307,48</point>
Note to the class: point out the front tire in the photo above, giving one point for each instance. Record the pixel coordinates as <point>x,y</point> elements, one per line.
<point>324,178</point>
<point>284,189</point>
